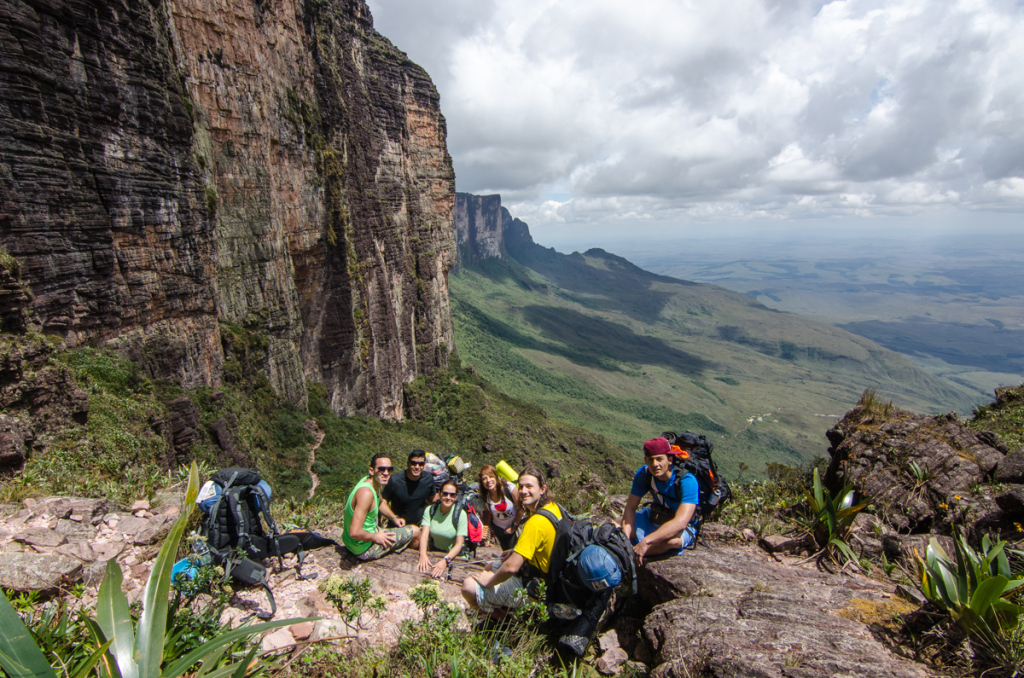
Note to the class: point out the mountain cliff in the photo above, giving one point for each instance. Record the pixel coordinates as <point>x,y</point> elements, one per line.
<point>480,223</point>
<point>169,169</point>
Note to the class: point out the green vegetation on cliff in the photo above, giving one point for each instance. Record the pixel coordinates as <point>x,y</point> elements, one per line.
<point>138,431</point>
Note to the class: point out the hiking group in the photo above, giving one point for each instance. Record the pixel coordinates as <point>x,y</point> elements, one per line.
<point>580,563</point>
<point>573,566</point>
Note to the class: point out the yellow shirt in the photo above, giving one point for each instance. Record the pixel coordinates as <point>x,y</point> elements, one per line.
<point>538,538</point>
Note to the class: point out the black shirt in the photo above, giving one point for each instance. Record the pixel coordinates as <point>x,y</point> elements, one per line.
<point>408,498</point>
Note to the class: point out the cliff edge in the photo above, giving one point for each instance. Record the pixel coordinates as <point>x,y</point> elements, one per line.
<point>168,167</point>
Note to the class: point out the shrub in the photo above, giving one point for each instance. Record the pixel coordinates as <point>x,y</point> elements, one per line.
<point>973,591</point>
<point>831,519</point>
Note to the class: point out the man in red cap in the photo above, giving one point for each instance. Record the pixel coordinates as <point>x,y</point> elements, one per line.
<point>669,524</point>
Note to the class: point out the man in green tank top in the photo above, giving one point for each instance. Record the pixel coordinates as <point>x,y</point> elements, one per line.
<point>361,532</point>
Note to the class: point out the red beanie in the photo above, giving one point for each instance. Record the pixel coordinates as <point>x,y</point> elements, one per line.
<point>656,446</point>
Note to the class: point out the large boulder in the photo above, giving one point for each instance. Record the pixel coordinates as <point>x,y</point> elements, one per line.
<point>922,473</point>
<point>39,571</point>
<point>735,611</point>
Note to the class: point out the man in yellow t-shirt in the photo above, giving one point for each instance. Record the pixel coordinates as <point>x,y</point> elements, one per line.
<point>489,591</point>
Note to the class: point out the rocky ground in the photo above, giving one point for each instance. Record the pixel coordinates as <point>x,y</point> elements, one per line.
<point>729,609</point>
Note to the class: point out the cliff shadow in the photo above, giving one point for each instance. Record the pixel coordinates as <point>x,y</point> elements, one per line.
<point>602,340</point>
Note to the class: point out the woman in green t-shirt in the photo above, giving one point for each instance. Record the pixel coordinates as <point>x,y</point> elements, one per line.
<point>440,533</point>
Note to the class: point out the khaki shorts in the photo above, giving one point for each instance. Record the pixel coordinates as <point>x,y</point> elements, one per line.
<point>510,594</point>
<point>403,536</point>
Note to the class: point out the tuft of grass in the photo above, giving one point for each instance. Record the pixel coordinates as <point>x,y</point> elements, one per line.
<point>10,264</point>
<point>1004,417</point>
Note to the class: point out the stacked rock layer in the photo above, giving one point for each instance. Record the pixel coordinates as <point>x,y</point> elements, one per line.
<point>169,167</point>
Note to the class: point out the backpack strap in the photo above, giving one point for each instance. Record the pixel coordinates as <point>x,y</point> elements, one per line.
<point>250,572</point>
<point>262,506</point>
<point>456,510</point>
<point>213,532</point>
<point>678,485</point>
<point>558,561</point>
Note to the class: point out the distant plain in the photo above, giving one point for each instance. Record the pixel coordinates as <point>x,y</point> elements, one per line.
<point>953,303</point>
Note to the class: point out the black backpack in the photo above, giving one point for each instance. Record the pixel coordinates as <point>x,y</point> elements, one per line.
<point>571,537</point>
<point>236,535</point>
<point>713,492</point>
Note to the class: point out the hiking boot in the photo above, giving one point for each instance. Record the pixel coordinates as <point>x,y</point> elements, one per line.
<point>578,644</point>
<point>564,611</point>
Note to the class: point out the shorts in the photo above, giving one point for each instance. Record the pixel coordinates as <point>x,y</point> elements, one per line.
<point>403,537</point>
<point>643,527</point>
<point>510,593</point>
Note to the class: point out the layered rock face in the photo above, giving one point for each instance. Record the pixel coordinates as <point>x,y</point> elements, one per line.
<point>925,474</point>
<point>480,222</point>
<point>170,166</point>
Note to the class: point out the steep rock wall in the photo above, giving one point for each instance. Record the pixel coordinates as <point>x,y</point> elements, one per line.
<point>479,227</point>
<point>167,166</point>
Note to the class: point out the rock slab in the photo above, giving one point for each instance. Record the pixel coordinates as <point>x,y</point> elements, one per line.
<point>734,611</point>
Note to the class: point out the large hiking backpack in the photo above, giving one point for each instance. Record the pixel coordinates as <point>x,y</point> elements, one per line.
<point>569,599</point>
<point>475,527</point>
<point>235,532</point>
<point>714,492</point>
<point>572,536</point>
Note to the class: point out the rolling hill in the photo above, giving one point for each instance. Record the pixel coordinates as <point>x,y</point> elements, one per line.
<point>626,353</point>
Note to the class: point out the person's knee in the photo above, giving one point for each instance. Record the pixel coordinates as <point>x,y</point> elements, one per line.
<point>469,591</point>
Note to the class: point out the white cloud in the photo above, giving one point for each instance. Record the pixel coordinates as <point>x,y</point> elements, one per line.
<point>749,109</point>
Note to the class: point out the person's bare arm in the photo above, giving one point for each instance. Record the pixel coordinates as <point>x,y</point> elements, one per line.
<point>385,510</point>
<point>629,515</point>
<point>508,568</point>
<point>360,507</point>
<point>442,564</point>
<point>424,564</point>
<point>669,530</point>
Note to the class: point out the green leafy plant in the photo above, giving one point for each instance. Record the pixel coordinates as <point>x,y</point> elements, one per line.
<point>921,475</point>
<point>831,520</point>
<point>126,648</point>
<point>352,597</point>
<point>972,588</point>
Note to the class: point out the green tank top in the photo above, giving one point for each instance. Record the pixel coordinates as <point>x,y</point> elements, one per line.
<point>369,525</point>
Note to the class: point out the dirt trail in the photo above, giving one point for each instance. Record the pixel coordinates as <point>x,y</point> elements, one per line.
<point>314,428</point>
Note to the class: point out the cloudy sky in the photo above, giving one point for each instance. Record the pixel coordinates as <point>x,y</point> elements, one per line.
<point>697,116</point>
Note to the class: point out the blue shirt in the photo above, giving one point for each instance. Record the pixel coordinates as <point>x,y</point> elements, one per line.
<point>669,496</point>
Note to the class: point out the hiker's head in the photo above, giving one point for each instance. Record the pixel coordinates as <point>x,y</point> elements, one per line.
<point>658,457</point>
<point>380,467</point>
<point>488,478</point>
<point>533,489</point>
<point>449,493</point>
<point>414,466</point>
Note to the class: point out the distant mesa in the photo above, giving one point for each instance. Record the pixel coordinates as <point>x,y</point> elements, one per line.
<point>485,230</point>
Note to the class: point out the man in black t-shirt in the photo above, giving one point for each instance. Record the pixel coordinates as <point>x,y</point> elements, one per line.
<point>408,494</point>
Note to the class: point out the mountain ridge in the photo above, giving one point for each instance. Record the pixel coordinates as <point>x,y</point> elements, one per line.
<point>595,339</point>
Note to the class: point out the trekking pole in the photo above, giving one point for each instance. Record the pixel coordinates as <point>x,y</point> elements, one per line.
<point>448,574</point>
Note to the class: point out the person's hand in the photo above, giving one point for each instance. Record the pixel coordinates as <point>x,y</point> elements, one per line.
<point>639,550</point>
<point>439,567</point>
<point>398,521</point>
<point>424,565</point>
<point>511,529</point>
<point>384,538</point>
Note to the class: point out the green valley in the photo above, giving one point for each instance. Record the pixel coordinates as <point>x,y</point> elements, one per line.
<point>601,343</point>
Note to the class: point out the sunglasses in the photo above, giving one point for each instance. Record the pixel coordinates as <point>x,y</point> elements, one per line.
<point>417,463</point>
<point>385,469</point>
<point>449,494</point>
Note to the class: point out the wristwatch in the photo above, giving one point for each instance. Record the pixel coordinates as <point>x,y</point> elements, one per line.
<point>448,560</point>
